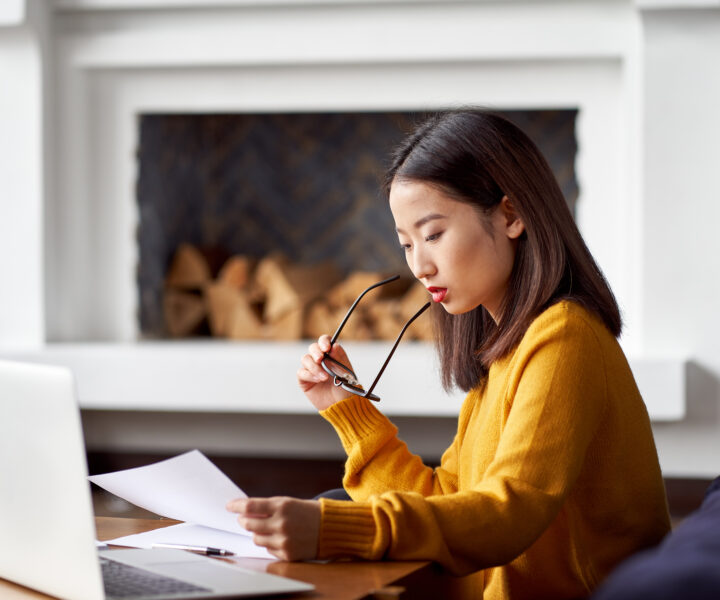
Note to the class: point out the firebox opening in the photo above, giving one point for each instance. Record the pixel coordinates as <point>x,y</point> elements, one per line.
<point>301,185</point>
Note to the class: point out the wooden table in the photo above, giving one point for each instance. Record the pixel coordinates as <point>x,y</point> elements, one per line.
<point>340,580</point>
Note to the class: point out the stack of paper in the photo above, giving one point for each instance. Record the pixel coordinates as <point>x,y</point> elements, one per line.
<point>187,488</point>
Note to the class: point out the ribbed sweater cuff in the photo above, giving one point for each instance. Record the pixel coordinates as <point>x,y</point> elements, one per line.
<point>355,418</point>
<point>347,529</point>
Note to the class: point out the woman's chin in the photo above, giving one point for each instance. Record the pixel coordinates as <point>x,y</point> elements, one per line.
<point>454,309</point>
<point>451,309</point>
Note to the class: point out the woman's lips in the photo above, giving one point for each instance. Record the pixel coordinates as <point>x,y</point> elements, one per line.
<point>438,294</point>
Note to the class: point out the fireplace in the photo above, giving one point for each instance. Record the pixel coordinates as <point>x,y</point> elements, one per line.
<point>305,185</point>
<point>113,67</point>
<point>107,66</point>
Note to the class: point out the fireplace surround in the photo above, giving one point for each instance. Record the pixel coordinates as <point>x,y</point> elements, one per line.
<point>104,63</point>
<point>114,65</point>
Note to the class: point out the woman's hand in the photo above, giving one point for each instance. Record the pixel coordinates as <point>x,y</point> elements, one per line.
<point>314,381</point>
<point>289,528</point>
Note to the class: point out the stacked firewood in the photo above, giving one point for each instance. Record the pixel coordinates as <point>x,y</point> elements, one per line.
<point>273,298</point>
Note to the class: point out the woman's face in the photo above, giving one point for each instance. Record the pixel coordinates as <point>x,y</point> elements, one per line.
<point>463,258</point>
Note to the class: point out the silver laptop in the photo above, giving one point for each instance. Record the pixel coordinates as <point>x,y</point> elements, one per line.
<point>47,530</point>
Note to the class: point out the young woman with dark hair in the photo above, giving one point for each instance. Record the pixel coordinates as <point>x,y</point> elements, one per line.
<point>480,159</point>
<point>552,478</point>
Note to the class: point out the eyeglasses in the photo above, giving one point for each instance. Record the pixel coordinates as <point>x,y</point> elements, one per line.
<point>344,376</point>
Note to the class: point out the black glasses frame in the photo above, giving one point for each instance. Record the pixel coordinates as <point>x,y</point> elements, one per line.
<point>348,380</point>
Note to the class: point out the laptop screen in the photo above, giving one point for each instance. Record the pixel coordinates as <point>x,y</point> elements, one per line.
<point>46,516</point>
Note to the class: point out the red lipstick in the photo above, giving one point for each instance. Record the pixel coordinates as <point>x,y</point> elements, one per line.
<point>438,294</point>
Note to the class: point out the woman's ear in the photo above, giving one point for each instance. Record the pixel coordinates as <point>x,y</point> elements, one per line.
<point>514,226</point>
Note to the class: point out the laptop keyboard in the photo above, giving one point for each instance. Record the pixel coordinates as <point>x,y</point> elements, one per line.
<point>125,581</point>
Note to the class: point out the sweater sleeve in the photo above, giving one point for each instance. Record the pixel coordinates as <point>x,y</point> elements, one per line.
<point>378,461</point>
<point>553,402</point>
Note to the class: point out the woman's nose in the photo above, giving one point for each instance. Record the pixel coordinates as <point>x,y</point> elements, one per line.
<point>422,266</point>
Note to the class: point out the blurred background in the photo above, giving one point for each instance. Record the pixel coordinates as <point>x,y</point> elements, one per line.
<point>173,171</point>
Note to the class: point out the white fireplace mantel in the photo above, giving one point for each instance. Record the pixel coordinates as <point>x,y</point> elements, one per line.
<point>83,70</point>
<point>110,66</point>
<point>98,64</point>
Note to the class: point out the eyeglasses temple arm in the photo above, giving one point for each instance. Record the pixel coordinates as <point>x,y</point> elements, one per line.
<point>354,304</point>
<point>395,345</point>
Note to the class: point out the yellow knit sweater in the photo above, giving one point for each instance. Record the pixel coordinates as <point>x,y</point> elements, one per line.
<point>551,480</point>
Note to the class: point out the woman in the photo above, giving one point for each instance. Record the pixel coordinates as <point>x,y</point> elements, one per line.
<point>553,477</point>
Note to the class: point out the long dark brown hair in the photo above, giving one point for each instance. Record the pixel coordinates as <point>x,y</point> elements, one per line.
<point>478,157</point>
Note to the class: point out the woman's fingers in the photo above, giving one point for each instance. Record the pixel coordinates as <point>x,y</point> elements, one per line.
<point>309,379</point>
<point>338,353</point>
<point>251,507</point>
<point>252,515</point>
<point>287,527</point>
<point>261,506</point>
<point>311,366</point>
<point>305,379</point>
<point>266,541</point>
<point>315,352</point>
<point>324,343</point>
<point>275,546</point>
<point>312,377</point>
<point>258,526</point>
<point>318,349</point>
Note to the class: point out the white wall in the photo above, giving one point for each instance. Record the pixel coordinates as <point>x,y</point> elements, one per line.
<point>21,178</point>
<point>681,218</point>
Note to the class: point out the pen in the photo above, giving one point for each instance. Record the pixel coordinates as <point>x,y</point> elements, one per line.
<point>206,550</point>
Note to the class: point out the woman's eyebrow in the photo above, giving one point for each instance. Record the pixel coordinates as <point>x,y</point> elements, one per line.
<point>423,220</point>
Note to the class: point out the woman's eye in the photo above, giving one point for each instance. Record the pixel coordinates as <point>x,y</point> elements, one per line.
<point>433,237</point>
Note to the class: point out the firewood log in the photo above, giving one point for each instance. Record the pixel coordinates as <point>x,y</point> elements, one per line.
<point>422,328</point>
<point>192,267</point>
<point>230,313</point>
<point>236,272</point>
<point>184,312</point>
<point>411,302</point>
<point>288,287</point>
<point>344,293</point>
<point>286,327</point>
<point>357,326</point>
<point>347,291</point>
<point>244,322</point>
<point>271,286</point>
<point>189,269</point>
<point>385,320</point>
<point>319,320</point>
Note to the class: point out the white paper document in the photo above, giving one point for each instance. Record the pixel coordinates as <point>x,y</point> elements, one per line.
<point>195,535</point>
<point>187,488</point>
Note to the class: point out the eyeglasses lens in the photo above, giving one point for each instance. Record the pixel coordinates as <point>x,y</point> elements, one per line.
<point>340,371</point>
